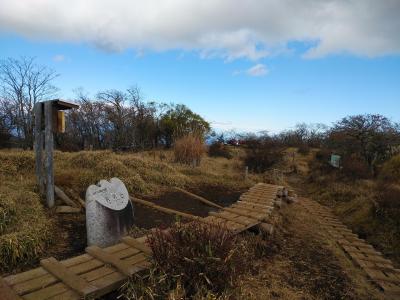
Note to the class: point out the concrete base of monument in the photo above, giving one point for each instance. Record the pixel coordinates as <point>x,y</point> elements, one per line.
<point>109,225</point>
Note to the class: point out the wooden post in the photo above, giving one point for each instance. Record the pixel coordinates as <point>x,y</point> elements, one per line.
<point>49,144</point>
<point>38,146</point>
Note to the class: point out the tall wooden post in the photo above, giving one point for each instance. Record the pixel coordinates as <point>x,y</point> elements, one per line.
<point>54,121</point>
<point>49,145</point>
<point>38,146</point>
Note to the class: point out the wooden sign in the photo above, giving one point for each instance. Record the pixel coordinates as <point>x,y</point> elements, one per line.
<point>60,121</point>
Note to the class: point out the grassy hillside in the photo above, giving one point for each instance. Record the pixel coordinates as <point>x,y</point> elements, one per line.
<point>146,174</point>
<point>370,207</point>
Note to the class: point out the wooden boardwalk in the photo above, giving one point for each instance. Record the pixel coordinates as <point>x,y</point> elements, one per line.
<point>378,269</point>
<point>101,271</point>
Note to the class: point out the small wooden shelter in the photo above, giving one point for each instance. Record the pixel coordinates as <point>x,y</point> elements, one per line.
<point>49,119</point>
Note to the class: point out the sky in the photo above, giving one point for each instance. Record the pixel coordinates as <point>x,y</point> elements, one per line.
<point>247,65</point>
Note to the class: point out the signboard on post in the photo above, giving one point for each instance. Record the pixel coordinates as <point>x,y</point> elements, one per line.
<point>335,161</point>
<point>49,118</point>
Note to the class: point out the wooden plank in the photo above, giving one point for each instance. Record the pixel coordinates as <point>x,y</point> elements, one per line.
<point>355,244</point>
<point>224,216</point>
<point>240,212</point>
<point>108,258</point>
<point>6,292</point>
<point>134,243</point>
<point>77,198</point>
<point>34,284</point>
<point>51,291</point>
<point>379,276</point>
<point>257,210</point>
<point>90,275</point>
<point>60,194</point>
<point>29,281</point>
<point>73,281</point>
<point>166,210</point>
<point>21,277</point>
<point>127,258</point>
<point>199,198</point>
<point>256,204</point>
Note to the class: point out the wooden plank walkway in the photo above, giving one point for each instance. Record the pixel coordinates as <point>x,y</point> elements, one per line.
<point>101,271</point>
<point>378,269</point>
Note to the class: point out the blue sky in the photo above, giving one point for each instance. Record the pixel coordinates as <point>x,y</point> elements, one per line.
<point>246,83</point>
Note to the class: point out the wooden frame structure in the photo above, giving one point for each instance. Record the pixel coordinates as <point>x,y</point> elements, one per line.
<point>49,118</point>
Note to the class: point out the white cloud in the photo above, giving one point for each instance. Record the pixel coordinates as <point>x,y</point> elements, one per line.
<point>215,28</point>
<point>58,57</point>
<point>257,70</point>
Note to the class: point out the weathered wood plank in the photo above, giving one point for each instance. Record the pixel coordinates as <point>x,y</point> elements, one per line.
<point>60,194</point>
<point>199,198</point>
<point>108,258</point>
<point>266,206</point>
<point>134,243</point>
<point>58,270</point>
<point>229,218</point>
<point>6,293</point>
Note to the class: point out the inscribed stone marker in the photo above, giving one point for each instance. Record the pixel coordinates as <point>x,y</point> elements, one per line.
<point>109,212</point>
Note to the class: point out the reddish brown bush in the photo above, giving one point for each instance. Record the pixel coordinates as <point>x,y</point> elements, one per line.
<point>199,256</point>
<point>355,168</point>
<point>218,149</point>
<point>388,202</point>
<point>391,170</point>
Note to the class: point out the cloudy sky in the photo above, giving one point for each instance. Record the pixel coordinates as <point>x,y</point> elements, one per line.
<point>247,64</point>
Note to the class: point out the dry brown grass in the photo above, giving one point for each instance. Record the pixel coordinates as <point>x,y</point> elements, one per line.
<point>189,150</point>
<point>24,226</point>
<point>143,173</point>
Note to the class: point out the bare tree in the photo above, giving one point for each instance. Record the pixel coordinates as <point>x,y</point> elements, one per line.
<point>23,83</point>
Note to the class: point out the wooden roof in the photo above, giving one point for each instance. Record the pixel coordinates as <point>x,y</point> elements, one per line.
<point>64,105</point>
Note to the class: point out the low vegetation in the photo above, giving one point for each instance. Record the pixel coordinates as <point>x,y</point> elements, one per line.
<point>219,149</point>
<point>144,173</point>
<point>263,153</point>
<point>194,260</point>
<point>370,206</point>
<point>20,208</point>
<point>189,150</point>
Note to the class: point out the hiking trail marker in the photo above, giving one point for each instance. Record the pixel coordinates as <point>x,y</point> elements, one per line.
<point>49,118</point>
<point>109,212</point>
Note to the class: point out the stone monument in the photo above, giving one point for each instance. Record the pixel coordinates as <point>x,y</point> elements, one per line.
<point>109,212</point>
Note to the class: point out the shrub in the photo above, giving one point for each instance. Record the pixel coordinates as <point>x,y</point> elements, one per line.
<point>355,167</point>
<point>391,170</point>
<point>20,242</point>
<point>261,157</point>
<point>303,149</point>
<point>189,150</point>
<point>388,202</point>
<point>218,149</point>
<point>198,257</point>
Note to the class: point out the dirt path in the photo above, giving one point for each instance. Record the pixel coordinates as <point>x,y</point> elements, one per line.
<point>303,263</point>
